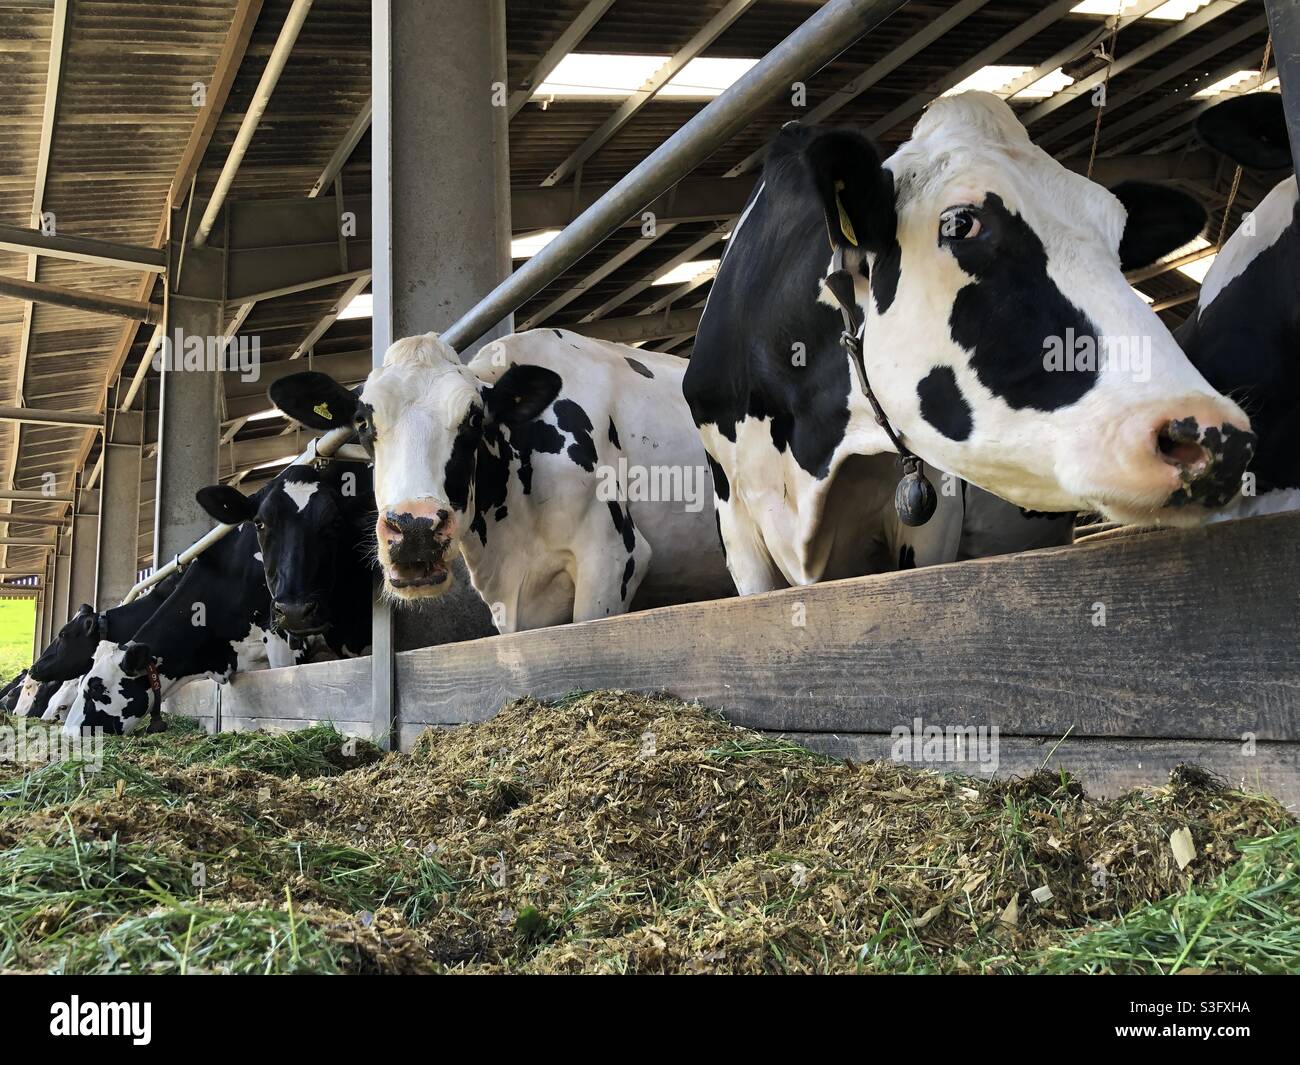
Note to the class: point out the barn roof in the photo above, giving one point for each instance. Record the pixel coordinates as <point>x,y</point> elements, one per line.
<point>106,122</point>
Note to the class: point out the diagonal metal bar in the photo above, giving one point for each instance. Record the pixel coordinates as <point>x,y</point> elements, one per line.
<point>715,27</point>
<point>564,44</point>
<point>684,256</point>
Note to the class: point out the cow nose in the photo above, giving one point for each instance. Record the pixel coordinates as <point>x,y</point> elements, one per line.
<point>416,534</point>
<point>1210,460</point>
<point>300,617</point>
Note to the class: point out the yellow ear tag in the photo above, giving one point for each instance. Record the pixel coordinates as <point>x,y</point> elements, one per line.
<point>323,408</point>
<point>846,227</point>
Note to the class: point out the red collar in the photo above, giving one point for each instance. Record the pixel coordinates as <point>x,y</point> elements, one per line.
<point>151,671</point>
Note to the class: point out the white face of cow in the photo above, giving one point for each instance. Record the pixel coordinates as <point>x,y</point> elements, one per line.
<point>423,414</point>
<point>435,430</point>
<point>1001,336</point>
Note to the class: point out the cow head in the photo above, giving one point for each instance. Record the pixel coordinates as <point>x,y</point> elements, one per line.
<point>117,694</point>
<point>437,433</point>
<point>300,526</point>
<point>1001,336</point>
<point>70,653</point>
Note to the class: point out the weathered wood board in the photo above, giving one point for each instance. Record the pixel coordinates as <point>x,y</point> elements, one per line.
<point>1181,635</point>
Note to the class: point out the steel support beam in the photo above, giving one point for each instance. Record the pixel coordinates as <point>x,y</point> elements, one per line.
<point>82,249</point>
<point>35,292</point>
<point>37,416</point>
<point>62,580</point>
<point>831,29</point>
<point>642,327</point>
<point>85,549</point>
<point>572,36</point>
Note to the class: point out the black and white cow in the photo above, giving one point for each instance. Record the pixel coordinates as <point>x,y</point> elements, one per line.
<point>221,618</point>
<point>12,690</point>
<point>71,652</point>
<point>1244,334</point>
<point>315,537</point>
<point>989,278</point>
<point>566,470</point>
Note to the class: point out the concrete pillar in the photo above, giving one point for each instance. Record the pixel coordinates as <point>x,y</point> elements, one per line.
<point>85,549</point>
<point>62,578</point>
<point>119,497</point>
<point>188,427</point>
<point>438,245</point>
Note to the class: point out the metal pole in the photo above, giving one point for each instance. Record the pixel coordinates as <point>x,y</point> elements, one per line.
<point>36,416</point>
<point>253,116</point>
<point>1284,22</point>
<point>833,28</point>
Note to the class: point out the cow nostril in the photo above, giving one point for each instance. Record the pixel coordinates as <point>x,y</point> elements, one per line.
<point>392,524</point>
<point>1179,447</point>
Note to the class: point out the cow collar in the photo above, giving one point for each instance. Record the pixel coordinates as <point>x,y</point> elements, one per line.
<point>915,498</point>
<point>151,671</point>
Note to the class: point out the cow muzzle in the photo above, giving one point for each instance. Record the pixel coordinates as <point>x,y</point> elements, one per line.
<point>415,539</point>
<point>303,618</point>
<point>1177,464</point>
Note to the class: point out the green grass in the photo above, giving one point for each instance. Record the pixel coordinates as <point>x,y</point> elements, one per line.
<point>1247,921</point>
<point>17,625</point>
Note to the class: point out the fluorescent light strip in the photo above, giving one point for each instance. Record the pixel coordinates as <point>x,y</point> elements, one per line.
<point>680,275</point>
<point>599,76</point>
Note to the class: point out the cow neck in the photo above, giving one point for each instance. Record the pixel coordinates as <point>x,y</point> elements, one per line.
<point>914,498</point>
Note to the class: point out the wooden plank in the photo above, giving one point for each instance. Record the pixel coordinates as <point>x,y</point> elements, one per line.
<point>1198,642</point>
<point>1106,768</point>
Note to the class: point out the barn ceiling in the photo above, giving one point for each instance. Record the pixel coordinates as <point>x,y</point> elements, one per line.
<point>98,107</point>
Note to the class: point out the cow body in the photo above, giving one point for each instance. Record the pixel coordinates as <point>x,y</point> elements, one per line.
<point>72,651</point>
<point>958,250</point>
<point>546,461</point>
<point>1244,334</point>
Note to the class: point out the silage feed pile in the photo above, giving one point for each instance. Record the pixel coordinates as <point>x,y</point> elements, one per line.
<point>612,832</point>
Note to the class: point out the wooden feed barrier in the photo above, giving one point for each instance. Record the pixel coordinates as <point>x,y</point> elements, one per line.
<point>1115,659</point>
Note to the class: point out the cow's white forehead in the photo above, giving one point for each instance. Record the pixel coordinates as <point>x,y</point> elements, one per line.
<point>967,145</point>
<point>420,374</point>
<point>300,492</point>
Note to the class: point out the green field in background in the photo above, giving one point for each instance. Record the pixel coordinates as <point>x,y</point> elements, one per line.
<point>17,620</point>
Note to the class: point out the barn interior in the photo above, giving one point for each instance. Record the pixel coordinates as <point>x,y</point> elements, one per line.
<point>130,126</point>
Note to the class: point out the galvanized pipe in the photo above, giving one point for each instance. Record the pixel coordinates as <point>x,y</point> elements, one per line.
<point>833,28</point>
<point>252,117</point>
<point>39,416</point>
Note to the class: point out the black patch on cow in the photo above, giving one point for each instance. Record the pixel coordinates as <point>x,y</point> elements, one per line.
<point>885,274</point>
<point>491,478</point>
<point>721,486</point>
<point>623,524</point>
<point>535,436</point>
<point>1244,343</point>
<point>613,434</point>
<point>907,557</point>
<point>639,367</point>
<point>500,515</point>
<point>460,462</point>
<point>943,405</point>
<point>521,394</point>
<point>1006,315</point>
<point>558,334</point>
<point>628,570</point>
<point>573,420</point>
<point>764,302</point>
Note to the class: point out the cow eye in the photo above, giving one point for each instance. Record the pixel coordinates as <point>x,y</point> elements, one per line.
<point>959,223</point>
<point>259,524</point>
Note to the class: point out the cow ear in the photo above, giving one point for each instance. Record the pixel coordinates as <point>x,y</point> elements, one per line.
<point>856,192</point>
<point>521,394</point>
<point>138,658</point>
<point>228,505</point>
<point>314,399</point>
<point>1160,219</point>
<point>1250,130</point>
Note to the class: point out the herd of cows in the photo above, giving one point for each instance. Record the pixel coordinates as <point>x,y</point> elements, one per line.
<point>970,253</point>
